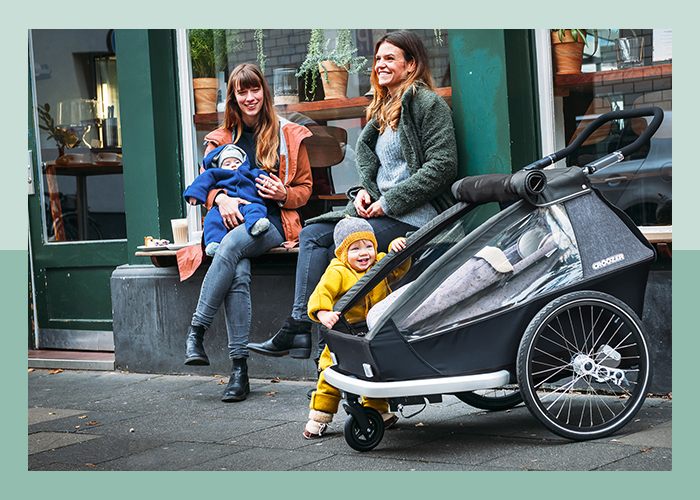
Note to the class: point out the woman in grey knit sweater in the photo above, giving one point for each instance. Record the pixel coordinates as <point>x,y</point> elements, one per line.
<point>407,161</point>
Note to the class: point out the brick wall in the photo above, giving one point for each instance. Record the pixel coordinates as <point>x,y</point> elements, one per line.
<point>287,48</point>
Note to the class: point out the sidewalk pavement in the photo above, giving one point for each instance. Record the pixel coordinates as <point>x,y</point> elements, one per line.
<point>85,420</point>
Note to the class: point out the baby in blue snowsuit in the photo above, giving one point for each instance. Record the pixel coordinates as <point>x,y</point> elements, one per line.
<point>227,167</point>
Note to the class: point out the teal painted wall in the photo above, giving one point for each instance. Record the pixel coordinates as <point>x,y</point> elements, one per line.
<point>493,100</point>
<point>479,101</point>
<point>523,98</point>
<point>151,139</point>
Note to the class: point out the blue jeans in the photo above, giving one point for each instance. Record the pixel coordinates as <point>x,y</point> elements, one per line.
<point>228,281</point>
<point>317,248</point>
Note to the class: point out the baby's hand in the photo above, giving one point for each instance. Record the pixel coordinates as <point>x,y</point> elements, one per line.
<point>398,244</point>
<point>328,318</point>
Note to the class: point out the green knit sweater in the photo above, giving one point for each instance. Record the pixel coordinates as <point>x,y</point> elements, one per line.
<point>428,143</point>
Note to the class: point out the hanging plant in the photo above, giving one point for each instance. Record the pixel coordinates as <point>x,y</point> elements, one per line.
<point>342,55</point>
<point>258,36</point>
<point>309,68</point>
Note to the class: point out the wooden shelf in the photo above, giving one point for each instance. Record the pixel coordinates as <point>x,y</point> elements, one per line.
<point>321,111</point>
<point>658,234</point>
<point>587,80</point>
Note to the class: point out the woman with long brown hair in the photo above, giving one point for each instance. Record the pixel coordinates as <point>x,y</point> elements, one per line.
<point>274,145</point>
<point>406,160</point>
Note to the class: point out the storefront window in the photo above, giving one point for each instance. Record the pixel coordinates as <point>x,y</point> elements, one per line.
<point>281,53</point>
<point>623,69</point>
<point>76,99</point>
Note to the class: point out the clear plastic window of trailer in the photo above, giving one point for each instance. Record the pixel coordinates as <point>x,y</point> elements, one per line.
<point>535,255</point>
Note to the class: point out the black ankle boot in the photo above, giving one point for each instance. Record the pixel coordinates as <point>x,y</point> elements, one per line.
<point>194,353</point>
<point>238,386</point>
<point>294,338</point>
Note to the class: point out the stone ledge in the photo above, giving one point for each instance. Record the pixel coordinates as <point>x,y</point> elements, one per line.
<point>152,310</point>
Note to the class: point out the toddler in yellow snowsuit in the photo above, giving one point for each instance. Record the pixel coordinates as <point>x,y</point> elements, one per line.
<point>355,254</point>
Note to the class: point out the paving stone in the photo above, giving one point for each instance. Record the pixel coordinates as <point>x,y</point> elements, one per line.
<point>38,415</point>
<point>261,459</point>
<point>655,459</point>
<point>92,450</point>
<point>363,462</point>
<point>564,456</point>
<point>169,457</point>
<point>43,441</point>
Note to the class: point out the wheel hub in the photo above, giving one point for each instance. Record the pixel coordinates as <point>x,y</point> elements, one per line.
<point>583,365</point>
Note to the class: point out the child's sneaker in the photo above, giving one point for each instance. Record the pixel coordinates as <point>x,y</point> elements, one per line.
<point>211,249</point>
<point>260,226</point>
<point>389,419</point>
<point>317,424</point>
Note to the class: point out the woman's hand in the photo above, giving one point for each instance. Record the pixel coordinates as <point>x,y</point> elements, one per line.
<point>362,202</point>
<point>328,318</point>
<point>375,210</point>
<point>364,206</point>
<point>228,207</point>
<point>271,188</point>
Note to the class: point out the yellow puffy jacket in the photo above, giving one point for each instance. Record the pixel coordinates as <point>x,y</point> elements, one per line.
<point>339,278</point>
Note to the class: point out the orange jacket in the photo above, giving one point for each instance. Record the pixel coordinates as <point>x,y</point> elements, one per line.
<point>294,172</point>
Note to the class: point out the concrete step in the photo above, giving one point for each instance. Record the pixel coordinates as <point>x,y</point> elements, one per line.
<point>71,360</point>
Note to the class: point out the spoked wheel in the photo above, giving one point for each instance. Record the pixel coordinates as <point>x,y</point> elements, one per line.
<point>583,365</point>
<point>498,399</point>
<point>354,435</point>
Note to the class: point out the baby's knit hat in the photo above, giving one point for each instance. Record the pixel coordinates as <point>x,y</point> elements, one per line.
<point>349,230</point>
<point>231,151</point>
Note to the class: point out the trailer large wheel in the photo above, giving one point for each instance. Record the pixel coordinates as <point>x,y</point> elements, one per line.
<point>583,365</point>
<point>497,399</point>
<point>356,438</point>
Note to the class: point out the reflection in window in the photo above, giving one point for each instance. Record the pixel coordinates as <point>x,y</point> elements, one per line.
<point>641,184</point>
<point>79,134</point>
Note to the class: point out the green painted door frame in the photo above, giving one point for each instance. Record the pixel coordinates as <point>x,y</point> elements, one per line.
<point>72,278</point>
<point>494,100</point>
<point>151,134</point>
<point>72,288</point>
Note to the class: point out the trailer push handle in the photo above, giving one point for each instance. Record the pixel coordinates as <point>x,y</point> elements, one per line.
<point>615,156</point>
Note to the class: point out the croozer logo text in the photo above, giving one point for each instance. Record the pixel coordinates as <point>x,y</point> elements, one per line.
<point>606,262</point>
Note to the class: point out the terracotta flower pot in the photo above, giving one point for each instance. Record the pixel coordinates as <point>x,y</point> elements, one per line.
<point>337,85</point>
<point>205,94</point>
<point>568,53</point>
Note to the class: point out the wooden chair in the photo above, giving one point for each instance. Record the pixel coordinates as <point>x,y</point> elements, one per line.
<point>326,148</point>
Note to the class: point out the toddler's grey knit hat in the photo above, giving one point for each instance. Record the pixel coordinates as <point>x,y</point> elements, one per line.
<point>231,151</point>
<point>349,230</point>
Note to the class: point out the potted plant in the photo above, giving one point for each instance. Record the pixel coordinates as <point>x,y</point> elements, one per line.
<point>567,47</point>
<point>65,138</point>
<point>334,66</point>
<point>209,53</point>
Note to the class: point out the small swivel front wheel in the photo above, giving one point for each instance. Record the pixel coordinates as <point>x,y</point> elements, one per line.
<point>364,439</point>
